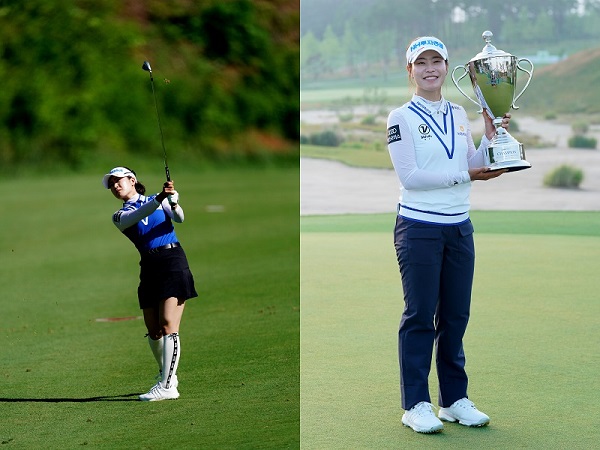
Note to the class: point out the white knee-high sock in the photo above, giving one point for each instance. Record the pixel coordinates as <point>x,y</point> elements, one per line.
<point>157,347</point>
<point>171,354</point>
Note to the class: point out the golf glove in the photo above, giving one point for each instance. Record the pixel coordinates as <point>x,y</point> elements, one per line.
<point>173,199</point>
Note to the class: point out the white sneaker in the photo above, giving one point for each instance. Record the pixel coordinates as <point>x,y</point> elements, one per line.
<point>465,413</point>
<point>422,419</point>
<point>158,392</point>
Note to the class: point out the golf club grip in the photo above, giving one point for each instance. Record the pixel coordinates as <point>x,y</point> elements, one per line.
<point>167,173</point>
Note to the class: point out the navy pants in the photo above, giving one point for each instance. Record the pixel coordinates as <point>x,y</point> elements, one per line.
<point>436,265</point>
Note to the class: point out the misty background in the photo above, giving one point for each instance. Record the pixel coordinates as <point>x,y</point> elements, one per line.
<point>367,39</point>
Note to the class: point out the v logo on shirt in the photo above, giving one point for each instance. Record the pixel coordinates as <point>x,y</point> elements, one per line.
<point>418,111</point>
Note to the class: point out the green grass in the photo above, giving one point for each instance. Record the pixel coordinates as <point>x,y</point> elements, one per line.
<point>364,156</point>
<point>399,94</point>
<point>530,346</point>
<point>70,381</point>
<point>333,93</point>
<point>574,223</point>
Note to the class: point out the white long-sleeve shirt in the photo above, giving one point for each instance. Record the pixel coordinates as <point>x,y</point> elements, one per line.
<point>431,149</point>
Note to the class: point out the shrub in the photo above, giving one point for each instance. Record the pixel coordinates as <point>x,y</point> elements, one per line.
<point>579,141</point>
<point>580,128</point>
<point>564,176</point>
<point>369,120</point>
<point>326,138</point>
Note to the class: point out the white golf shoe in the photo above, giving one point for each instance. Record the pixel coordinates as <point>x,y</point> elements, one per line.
<point>158,392</point>
<point>465,413</point>
<point>422,419</point>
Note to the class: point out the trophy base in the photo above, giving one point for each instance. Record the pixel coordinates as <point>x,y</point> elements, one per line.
<point>505,152</point>
<point>512,166</point>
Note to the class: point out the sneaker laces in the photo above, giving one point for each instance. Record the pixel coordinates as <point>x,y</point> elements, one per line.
<point>465,403</point>
<point>423,409</point>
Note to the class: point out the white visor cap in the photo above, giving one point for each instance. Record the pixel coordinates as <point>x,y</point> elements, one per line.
<point>422,44</point>
<point>118,172</point>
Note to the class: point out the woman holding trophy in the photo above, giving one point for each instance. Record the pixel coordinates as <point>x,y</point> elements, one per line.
<point>432,150</point>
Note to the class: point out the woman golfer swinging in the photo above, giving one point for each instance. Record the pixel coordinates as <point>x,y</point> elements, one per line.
<point>165,278</point>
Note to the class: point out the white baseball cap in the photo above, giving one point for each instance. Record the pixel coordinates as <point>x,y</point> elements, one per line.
<point>422,44</point>
<point>118,172</point>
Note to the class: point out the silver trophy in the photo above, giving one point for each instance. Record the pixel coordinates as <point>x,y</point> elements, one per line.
<point>493,75</point>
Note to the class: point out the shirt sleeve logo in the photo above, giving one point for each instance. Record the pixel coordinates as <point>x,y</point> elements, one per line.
<point>393,134</point>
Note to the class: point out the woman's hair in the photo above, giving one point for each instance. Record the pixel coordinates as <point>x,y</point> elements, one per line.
<point>139,187</point>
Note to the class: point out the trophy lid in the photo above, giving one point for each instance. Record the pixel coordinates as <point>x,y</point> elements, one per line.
<point>489,50</point>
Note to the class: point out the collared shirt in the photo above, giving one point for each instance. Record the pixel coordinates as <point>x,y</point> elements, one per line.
<point>432,149</point>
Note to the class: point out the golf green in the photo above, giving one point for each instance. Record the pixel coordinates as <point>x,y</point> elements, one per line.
<point>531,345</point>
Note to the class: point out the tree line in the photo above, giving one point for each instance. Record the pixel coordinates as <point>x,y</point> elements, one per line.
<point>226,77</point>
<point>346,37</point>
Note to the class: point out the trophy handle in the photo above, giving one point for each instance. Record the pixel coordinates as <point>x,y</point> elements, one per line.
<point>460,90</point>
<point>528,72</point>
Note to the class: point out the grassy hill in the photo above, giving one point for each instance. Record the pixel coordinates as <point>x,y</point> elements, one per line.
<point>567,87</point>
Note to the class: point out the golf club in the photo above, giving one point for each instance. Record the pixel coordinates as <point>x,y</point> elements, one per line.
<point>147,68</point>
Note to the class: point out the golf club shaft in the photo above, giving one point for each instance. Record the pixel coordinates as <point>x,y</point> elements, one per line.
<point>162,139</point>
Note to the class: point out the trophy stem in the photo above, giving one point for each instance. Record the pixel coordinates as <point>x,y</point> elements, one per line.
<point>502,136</point>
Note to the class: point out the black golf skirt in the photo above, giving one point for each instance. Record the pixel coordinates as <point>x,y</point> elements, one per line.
<point>165,274</point>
